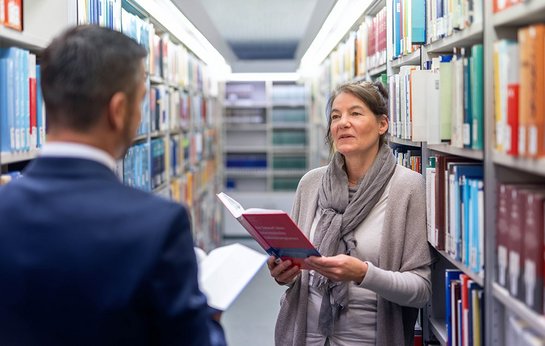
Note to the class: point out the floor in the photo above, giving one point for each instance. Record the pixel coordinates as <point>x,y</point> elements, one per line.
<point>251,318</point>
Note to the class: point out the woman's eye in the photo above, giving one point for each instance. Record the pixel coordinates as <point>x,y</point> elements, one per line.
<point>356,114</point>
<point>335,116</point>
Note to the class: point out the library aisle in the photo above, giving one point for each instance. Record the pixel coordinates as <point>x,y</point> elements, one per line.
<point>252,317</point>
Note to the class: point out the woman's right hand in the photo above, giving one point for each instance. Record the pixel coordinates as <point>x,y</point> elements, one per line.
<point>284,272</point>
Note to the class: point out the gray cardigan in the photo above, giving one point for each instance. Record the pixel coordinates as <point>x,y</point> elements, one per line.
<point>404,247</point>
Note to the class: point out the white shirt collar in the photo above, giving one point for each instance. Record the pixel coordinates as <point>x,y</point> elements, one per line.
<point>77,150</point>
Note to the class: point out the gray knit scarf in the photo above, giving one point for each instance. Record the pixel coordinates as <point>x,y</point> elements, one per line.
<point>340,217</point>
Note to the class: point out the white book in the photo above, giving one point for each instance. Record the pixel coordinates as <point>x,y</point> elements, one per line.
<point>226,271</point>
<point>419,103</point>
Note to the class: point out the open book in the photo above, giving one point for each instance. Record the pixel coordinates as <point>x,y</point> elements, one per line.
<point>274,230</point>
<point>225,271</point>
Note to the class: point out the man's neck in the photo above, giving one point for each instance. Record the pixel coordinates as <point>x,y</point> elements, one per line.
<point>81,138</point>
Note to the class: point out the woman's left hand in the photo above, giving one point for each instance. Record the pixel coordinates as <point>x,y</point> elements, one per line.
<point>339,268</point>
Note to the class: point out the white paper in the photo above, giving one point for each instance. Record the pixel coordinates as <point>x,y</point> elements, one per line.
<point>225,272</point>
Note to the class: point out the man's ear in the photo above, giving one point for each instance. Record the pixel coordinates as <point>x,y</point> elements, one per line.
<point>117,110</point>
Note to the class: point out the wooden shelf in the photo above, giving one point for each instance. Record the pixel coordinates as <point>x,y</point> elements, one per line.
<point>289,172</point>
<point>410,59</point>
<point>534,166</point>
<point>374,7</point>
<point>521,14</point>
<point>156,79</point>
<point>464,38</point>
<point>228,104</point>
<point>405,142</point>
<point>22,39</point>
<point>534,320</point>
<point>288,104</point>
<point>245,127</point>
<point>140,138</point>
<point>7,158</point>
<point>448,149</point>
<point>288,125</point>
<point>377,70</point>
<point>247,172</point>
<point>160,188</point>
<point>156,134</point>
<point>289,149</point>
<point>245,149</point>
<point>439,329</point>
<point>474,276</point>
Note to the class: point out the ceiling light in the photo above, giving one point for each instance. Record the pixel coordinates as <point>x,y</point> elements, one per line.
<point>340,20</point>
<point>172,19</point>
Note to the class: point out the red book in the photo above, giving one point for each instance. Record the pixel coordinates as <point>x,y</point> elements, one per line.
<point>532,251</point>
<point>274,231</point>
<point>516,233</point>
<point>13,14</point>
<point>32,101</point>
<point>513,117</point>
<point>502,233</point>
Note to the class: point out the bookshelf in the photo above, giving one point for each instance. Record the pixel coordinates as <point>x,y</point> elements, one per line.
<point>176,153</point>
<point>272,116</point>
<point>502,167</point>
<point>400,60</point>
<point>36,34</point>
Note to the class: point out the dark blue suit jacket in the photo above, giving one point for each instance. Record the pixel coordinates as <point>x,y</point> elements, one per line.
<point>85,260</point>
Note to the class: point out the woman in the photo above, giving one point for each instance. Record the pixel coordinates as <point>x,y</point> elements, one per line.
<point>367,217</point>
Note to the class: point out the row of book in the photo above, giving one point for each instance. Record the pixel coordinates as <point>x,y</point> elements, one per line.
<point>172,62</point>
<point>176,65</point>
<point>519,332</point>
<point>446,17</point>
<point>519,93</point>
<point>105,13</point>
<point>519,239</point>
<point>408,26</point>
<point>442,103</point>
<point>288,94</point>
<point>246,115</point>
<point>136,167</point>
<point>464,311</point>
<point>22,110</point>
<point>364,49</point>
<point>500,5</point>
<point>409,158</point>
<point>455,209</point>
<point>296,137</point>
<point>11,14</point>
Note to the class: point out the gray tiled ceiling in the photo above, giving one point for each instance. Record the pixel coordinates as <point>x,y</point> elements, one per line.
<point>258,35</point>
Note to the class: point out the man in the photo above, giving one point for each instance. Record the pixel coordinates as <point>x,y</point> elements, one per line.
<point>84,259</point>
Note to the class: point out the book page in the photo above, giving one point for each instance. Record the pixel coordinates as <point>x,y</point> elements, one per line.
<point>225,272</point>
<point>233,206</point>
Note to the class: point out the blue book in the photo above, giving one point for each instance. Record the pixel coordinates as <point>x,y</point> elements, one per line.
<point>460,172</point>
<point>397,27</point>
<point>39,108</point>
<point>5,145</point>
<point>450,275</point>
<point>418,21</point>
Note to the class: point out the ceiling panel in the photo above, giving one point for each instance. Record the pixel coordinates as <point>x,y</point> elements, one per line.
<point>268,31</point>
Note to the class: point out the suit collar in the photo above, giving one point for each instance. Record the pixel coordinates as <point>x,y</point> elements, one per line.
<point>68,167</point>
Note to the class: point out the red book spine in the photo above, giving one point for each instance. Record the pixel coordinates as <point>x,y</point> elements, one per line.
<point>32,103</point>
<point>513,117</point>
<point>516,218</point>
<point>502,234</point>
<point>533,249</point>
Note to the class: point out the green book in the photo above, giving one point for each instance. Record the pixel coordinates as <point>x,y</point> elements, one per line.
<point>477,96</point>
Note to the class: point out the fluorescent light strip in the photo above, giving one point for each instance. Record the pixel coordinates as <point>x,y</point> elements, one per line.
<point>165,12</point>
<point>341,18</point>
